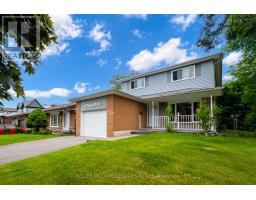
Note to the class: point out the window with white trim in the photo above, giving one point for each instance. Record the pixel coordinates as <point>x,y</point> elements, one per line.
<point>137,83</point>
<point>183,73</point>
<point>54,119</point>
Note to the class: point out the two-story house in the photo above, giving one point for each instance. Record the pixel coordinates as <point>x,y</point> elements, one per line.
<point>3,112</point>
<point>143,98</point>
<point>18,117</point>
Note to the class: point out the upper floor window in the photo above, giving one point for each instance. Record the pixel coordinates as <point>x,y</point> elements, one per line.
<point>183,73</point>
<point>137,83</point>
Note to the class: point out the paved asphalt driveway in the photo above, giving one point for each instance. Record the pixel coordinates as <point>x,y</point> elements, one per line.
<point>19,151</point>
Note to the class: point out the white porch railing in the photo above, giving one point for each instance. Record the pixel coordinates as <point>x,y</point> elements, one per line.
<point>180,122</point>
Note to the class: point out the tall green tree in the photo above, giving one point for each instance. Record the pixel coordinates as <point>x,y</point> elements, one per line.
<point>115,80</point>
<point>11,67</point>
<point>232,105</point>
<point>238,32</point>
<point>37,119</point>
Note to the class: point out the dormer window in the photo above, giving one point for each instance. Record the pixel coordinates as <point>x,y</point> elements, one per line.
<point>137,83</point>
<point>183,73</point>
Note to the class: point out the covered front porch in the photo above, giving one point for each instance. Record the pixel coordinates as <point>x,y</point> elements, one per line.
<point>184,108</point>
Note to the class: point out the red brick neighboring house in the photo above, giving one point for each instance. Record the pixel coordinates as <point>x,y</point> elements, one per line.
<point>62,118</point>
<point>6,111</point>
<point>18,118</point>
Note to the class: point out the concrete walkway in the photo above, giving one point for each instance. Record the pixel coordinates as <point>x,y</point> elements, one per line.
<point>19,151</point>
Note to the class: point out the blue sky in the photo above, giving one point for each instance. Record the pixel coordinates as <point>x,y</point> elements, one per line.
<point>92,49</point>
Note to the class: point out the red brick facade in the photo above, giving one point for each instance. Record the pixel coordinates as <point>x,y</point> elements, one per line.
<point>122,114</point>
<point>125,114</point>
<point>77,119</point>
<point>59,129</point>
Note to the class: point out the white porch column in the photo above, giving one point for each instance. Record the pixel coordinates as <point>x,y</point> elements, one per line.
<point>212,127</point>
<point>175,112</point>
<point>178,121</point>
<point>153,114</point>
<point>192,110</point>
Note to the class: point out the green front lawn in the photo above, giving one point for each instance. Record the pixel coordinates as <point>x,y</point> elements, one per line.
<point>149,159</point>
<point>240,133</point>
<point>15,138</point>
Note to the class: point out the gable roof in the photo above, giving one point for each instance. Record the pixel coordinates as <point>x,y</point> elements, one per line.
<point>214,57</point>
<point>28,104</point>
<point>106,93</point>
<point>69,106</point>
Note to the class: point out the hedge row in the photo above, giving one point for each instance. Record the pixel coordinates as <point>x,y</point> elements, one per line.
<point>14,130</point>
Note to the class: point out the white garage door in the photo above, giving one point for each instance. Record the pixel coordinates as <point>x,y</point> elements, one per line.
<point>94,123</point>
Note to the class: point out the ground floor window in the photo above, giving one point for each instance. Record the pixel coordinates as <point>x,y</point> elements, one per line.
<point>184,108</point>
<point>54,118</point>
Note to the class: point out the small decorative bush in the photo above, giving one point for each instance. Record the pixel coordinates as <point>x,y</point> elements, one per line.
<point>206,119</point>
<point>47,132</point>
<point>169,126</point>
<point>1,131</point>
<point>6,131</point>
<point>23,130</point>
<point>12,131</point>
<point>18,130</point>
<point>28,130</point>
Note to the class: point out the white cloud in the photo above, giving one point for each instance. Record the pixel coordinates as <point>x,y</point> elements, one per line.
<point>183,20</point>
<point>170,52</point>
<point>55,49</point>
<point>138,16</point>
<point>227,77</point>
<point>94,88</point>
<point>233,58</point>
<point>102,62</point>
<point>119,62</point>
<point>80,87</point>
<point>100,35</point>
<point>58,92</point>
<point>66,29</point>
<point>137,33</point>
<point>97,87</point>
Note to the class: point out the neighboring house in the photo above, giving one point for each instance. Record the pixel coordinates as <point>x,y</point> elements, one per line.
<point>5,111</point>
<point>143,99</point>
<point>62,118</point>
<point>18,118</point>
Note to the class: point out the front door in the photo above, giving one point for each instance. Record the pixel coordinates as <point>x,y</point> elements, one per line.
<point>66,118</point>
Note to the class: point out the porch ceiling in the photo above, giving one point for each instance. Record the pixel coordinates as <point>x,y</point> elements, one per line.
<point>184,96</point>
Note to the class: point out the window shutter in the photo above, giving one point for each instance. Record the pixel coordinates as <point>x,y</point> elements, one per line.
<point>128,83</point>
<point>198,70</point>
<point>169,77</point>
